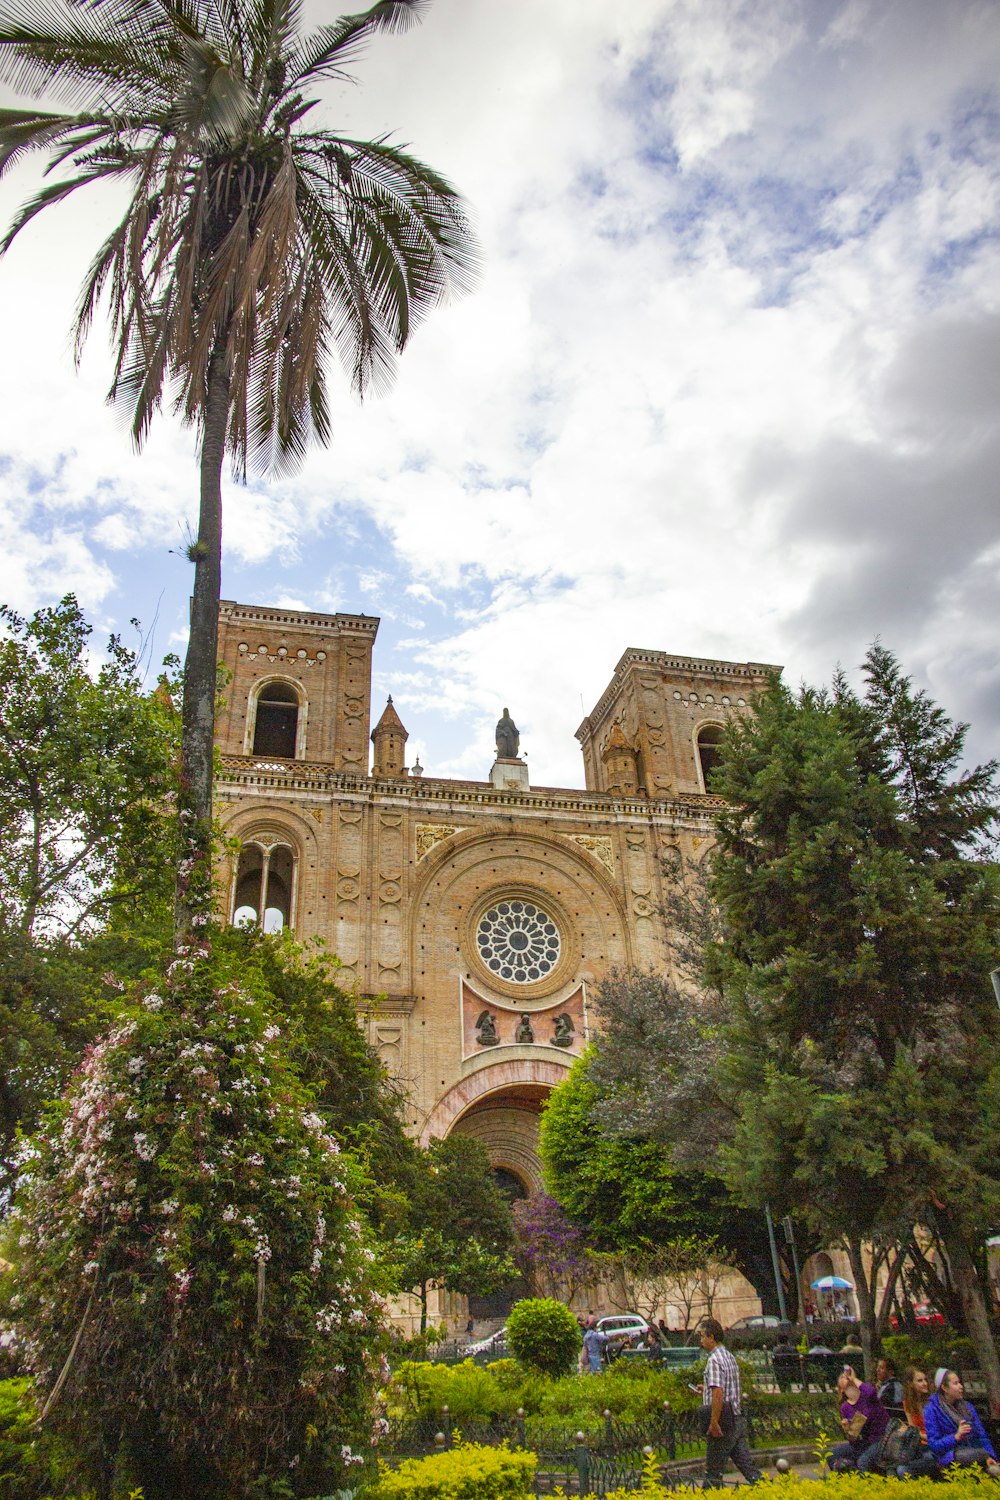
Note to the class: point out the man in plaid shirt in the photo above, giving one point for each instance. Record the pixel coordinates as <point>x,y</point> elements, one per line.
<point>720,1392</point>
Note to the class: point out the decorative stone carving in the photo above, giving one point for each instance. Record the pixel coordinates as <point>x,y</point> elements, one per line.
<point>486,1030</point>
<point>563,1031</point>
<point>429,834</point>
<point>524,1032</point>
<point>599,845</point>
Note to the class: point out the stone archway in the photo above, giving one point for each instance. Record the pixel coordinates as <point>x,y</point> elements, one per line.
<point>500,1104</point>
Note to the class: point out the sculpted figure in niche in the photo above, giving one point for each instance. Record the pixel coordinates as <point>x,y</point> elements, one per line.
<point>563,1034</point>
<point>524,1032</point>
<point>508,739</point>
<point>486,1030</point>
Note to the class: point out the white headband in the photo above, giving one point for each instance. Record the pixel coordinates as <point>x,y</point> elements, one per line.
<point>939,1375</point>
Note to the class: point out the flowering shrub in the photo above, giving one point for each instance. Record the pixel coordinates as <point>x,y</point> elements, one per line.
<point>193,1290</point>
<point>465,1472</point>
<point>543,1334</point>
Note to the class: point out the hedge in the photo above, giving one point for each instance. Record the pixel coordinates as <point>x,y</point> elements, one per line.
<point>963,1484</point>
<point>467,1471</point>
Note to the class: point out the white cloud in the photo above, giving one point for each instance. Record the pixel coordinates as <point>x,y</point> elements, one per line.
<point>728,385</point>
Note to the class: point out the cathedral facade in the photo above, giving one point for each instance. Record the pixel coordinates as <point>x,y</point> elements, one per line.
<point>473,919</point>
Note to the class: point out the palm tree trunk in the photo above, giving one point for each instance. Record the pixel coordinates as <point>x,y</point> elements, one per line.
<point>193,890</point>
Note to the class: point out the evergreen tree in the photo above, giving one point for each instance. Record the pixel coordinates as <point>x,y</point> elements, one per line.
<point>840,1062</point>
<point>860,925</point>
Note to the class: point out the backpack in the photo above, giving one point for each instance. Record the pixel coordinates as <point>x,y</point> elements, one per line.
<point>901,1444</point>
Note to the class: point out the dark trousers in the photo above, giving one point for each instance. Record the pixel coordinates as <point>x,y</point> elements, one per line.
<point>731,1445</point>
<point>847,1456</point>
<point>966,1456</point>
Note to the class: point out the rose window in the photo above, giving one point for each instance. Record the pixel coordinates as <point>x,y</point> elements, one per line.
<point>518,941</point>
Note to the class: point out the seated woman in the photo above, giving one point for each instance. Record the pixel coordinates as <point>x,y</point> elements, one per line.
<point>864,1420</point>
<point>955,1434</point>
<point>916,1457</point>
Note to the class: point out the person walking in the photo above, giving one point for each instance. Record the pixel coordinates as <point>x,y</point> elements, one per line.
<point>726,1429</point>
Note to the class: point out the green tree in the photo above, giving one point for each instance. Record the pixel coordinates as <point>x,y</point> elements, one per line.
<point>85,773</point>
<point>252,246</point>
<point>459,1230</point>
<point>846,1049</point>
<point>624,1189</point>
<point>85,768</point>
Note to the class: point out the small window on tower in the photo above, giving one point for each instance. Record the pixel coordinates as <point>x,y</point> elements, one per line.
<point>709,751</point>
<point>276,724</point>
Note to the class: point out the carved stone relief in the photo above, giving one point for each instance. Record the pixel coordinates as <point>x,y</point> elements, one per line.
<point>429,834</point>
<point>599,845</point>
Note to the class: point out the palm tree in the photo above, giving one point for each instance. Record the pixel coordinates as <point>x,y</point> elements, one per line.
<point>251,248</point>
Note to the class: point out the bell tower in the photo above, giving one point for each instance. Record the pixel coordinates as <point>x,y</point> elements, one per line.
<point>299,685</point>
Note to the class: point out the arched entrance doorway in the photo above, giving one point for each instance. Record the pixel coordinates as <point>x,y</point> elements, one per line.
<point>503,1111</point>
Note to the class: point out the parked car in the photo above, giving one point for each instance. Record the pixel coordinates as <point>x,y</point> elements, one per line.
<point>924,1314</point>
<point>618,1327</point>
<point>756,1320</point>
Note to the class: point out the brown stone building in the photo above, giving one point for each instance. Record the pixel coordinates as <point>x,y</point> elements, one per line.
<point>472,917</point>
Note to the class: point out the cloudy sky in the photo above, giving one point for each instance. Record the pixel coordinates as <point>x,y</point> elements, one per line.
<point>729,384</point>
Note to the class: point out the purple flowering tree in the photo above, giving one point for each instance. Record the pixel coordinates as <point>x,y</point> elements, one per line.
<point>551,1252</point>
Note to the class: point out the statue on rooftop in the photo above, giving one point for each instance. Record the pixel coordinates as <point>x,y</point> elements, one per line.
<point>508,739</point>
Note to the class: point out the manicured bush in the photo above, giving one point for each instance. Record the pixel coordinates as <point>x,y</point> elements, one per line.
<point>967,1484</point>
<point>465,1472</point>
<point>471,1393</point>
<point>544,1335</point>
<point>189,1260</point>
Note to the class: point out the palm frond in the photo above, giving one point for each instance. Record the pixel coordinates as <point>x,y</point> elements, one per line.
<point>244,233</point>
<point>330,51</point>
<point>55,192</point>
<point>85,56</point>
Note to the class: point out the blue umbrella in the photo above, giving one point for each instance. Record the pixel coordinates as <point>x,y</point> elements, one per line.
<point>832,1284</point>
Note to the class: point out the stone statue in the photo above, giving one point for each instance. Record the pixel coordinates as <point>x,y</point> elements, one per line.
<point>524,1032</point>
<point>508,739</point>
<point>564,1031</point>
<point>486,1030</point>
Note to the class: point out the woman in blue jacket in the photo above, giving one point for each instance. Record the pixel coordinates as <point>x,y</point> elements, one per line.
<point>955,1434</point>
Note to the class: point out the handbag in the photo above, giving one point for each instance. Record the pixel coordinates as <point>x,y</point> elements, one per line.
<point>856,1426</point>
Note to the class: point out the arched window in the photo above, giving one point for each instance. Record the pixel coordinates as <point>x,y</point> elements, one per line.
<point>276,721</point>
<point>709,750</point>
<point>264,891</point>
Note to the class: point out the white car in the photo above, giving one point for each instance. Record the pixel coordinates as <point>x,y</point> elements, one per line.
<point>618,1327</point>
<point>759,1320</point>
<point>496,1341</point>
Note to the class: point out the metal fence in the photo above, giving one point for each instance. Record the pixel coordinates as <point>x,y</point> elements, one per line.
<point>608,1457</point>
